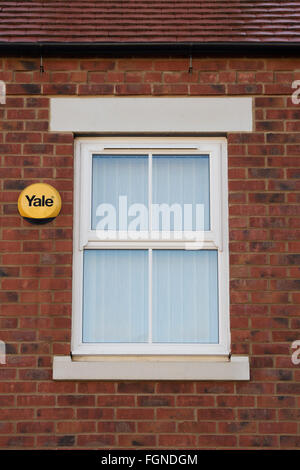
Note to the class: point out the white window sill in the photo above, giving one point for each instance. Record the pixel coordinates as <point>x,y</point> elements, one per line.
<point>151,368</point>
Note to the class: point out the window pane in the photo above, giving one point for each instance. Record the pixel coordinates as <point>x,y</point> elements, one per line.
<point>182,180</point>
<point>185,296</point>
<point>115,296</point>
<point>115,176</point>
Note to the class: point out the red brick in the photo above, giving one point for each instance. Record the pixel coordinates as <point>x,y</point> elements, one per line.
<point>10,414</point>
<point>133,89</point>
<point>76,400</point>
<point>195,401</point>
<point>278,428</point>
<point>178,89</point>
<point>103,64</point>
<point>242,427</point>
<point>15,441</point>
<point>171,65</point>
<point>175,387</point>
<point>95,413</point>
<point>67,441</point>
<point>235,402</point>
<point>258,441</point>
<point>215,89</point>
<point>247,89</point>
<point>217,441</point>
<point>197,427</point>
<point>289,442</point>
<point>174,441</point>
<point>118,400</point>
<point>136,387</point>
<point>91,89</point>
<point>156,427</point>
<point>35,428</point>
<point>177,413</point>
<point>138,440</point>
<point>73,427</point>
<point>95,440</point>
<point>54,413</point>
<point>215,414</point>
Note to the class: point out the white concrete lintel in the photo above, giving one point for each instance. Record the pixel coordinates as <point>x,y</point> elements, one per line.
<point>151,115</point>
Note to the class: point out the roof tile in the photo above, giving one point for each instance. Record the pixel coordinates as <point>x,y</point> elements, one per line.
<point>149,21</point>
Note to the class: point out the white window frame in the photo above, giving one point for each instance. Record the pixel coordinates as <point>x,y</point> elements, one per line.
<point>216,238</point>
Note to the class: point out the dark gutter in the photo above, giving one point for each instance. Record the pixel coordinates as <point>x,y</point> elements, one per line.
<point>149,48</point>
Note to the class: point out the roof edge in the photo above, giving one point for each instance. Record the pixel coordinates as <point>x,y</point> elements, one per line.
<point>138,48</point>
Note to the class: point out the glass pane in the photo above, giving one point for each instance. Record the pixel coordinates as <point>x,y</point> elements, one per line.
<point>185,296</point>
<point>116,176</point>
<point>115,296</point>
<point>182,180</point>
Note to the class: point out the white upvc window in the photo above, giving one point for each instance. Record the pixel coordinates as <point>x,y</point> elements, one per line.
<point>150,265</point>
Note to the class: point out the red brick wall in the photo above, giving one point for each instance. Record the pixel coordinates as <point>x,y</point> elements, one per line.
<point>35,321</point>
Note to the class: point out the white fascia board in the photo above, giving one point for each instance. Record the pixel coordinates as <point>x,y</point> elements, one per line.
<point>237,368</point>
<point>153,115</point>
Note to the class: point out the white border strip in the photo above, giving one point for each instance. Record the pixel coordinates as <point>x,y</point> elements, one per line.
<point>165,114</point>
<point>237,368</point>
<point>216,148</point>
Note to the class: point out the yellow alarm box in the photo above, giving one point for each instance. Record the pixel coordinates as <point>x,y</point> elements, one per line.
<point>39,203</point>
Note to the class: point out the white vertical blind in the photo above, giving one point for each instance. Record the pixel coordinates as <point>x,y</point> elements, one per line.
<point>181,179</point>
<point>175,179</point>
<point>115,296</point>
<point>115,176</point>
<point>185,296</point>
<point>150,295</point>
